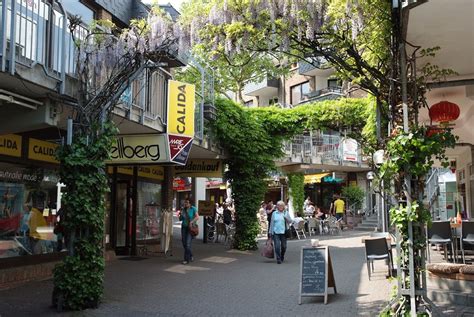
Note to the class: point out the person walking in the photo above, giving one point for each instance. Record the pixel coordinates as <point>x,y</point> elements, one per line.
<point>188,216</point>
<point>339,208</point>
<point>270,209</point>
<point>278,225</point>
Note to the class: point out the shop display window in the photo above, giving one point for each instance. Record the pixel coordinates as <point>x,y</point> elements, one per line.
<point>28,211</point>
<point>149,211</point>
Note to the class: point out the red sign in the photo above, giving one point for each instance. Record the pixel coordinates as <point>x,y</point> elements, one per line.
<point>179,147</point>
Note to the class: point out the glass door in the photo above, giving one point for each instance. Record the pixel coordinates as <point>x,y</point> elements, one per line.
<point>123,215</point>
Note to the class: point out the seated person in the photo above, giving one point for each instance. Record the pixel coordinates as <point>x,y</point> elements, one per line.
<point>319,214</point>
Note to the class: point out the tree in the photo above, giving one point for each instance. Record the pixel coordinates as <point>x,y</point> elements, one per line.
<point>107,61</point>
<point>233,66</point>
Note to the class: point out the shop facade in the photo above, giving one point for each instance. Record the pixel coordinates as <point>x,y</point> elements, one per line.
<point>30,199</point>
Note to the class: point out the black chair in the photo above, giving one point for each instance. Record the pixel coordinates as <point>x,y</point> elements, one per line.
<point>377,249</point>
<point>440,233</point>
<point>467,236</point>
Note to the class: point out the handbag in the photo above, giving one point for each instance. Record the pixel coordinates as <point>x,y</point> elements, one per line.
<point>268,249</point>
<point>193,227</point>
<point>287,230</point>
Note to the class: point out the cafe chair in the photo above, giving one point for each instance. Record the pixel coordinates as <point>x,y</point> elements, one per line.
<point>440,233</point>
<point>467,236</point>
<point>299,228</point>
<point>377,249</point>
<point>312,225</point>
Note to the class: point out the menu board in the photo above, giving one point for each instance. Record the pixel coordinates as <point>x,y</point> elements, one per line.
<point>316,272</point>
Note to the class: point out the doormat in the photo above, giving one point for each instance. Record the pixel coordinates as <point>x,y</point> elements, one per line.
<point>133,258</point>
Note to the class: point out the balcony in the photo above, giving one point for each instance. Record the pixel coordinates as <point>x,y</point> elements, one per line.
<point>268,86</point>
<point>322,149</point>
<point>330,93</point>
<point>43,50</point>
<point>314,66</point>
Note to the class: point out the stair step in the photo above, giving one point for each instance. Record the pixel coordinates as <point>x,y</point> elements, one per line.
<point>364,228</point>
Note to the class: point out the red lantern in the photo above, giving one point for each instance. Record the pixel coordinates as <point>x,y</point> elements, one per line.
<point>444,112</point>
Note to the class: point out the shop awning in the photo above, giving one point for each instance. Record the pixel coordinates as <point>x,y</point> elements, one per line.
<point>314,178</point>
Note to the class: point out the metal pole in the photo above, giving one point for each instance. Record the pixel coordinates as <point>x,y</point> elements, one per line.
<point>411,260</point>
<point>69,132</point>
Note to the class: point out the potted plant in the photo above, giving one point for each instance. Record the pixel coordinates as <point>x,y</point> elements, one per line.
<point>354,196</point>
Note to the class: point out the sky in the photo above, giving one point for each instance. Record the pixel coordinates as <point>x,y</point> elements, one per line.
<point>174,3</point>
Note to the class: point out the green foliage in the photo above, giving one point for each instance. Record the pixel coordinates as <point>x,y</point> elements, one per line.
<point>231,69</point>
<point>78,281</point>
<point>355,195</point>
<point>253,139</point>
<point>296,185</point>
<point>414,152</point>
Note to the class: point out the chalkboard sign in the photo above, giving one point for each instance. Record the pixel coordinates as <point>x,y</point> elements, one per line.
<point>316,272</point>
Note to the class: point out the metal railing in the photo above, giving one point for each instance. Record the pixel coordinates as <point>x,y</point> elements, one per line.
<point>432,187</point>
<point>41,37</point>
<point>318,147</point>
<point>328,93</point>
<point>148,95</point>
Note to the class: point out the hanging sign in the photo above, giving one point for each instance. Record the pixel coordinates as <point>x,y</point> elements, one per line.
<point>350,150</point>
<point>139,149</point>
<point>40,150</point>
<point>316,273</point>
<point>10,144</point>
<point>200,168</point>
<point>181,100</point>
<point>179,148</point>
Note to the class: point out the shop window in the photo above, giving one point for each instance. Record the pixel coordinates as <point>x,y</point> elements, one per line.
<point>298,92</point>
<point>28,211</point>
<point>149,211</point>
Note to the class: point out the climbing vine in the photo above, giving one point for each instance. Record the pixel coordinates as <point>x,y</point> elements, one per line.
<point>78,280</point>
<point>253,139</point>
<point>296,185</point>
<point>412,153</point>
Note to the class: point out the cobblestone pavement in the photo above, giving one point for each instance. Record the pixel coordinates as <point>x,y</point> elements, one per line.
<point>222,282</point>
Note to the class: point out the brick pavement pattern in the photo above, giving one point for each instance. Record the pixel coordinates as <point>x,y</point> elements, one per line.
<point>222,283</point>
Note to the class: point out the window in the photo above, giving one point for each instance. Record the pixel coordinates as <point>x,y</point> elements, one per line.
<point>298,92</point>
<point>273,101</point>
<point>333,83</point>
<point>249,103</point>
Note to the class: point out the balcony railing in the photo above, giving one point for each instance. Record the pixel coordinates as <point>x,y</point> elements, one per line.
<point>320,148</point>
<point>313,63</point>
<point>257,88</point>
<point>41,37</point>
<point>147,95</point>
<point>329,93</point>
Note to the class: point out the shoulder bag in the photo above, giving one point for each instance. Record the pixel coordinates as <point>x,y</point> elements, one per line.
<point>193,227</point>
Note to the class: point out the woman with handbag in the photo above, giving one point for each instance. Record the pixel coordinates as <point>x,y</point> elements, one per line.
<point>279,225</point>
<point>189,228</point>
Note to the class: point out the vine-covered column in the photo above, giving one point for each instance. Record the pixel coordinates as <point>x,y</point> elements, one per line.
<point>296,185</point>
<point>78,281</point>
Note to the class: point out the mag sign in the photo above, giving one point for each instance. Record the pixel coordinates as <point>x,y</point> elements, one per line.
<point>181,100</point>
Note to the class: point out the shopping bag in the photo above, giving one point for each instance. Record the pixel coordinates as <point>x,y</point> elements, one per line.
<point>268,249</point>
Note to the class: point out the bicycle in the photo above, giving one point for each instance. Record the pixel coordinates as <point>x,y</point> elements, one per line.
<point>211,230</point>
<point>230,234</point>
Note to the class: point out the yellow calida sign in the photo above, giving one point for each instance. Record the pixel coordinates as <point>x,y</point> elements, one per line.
<point>181,98</point>
<point>42,151</point>
<point>10,144</point>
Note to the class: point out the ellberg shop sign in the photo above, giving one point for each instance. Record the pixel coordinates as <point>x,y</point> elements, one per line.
<point>181,100</point>
<point>140,149</point>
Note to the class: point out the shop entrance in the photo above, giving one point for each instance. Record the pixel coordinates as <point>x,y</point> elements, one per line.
<point>123,218</point>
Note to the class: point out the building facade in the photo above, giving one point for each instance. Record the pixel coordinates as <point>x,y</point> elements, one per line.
<point>38,89</point>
